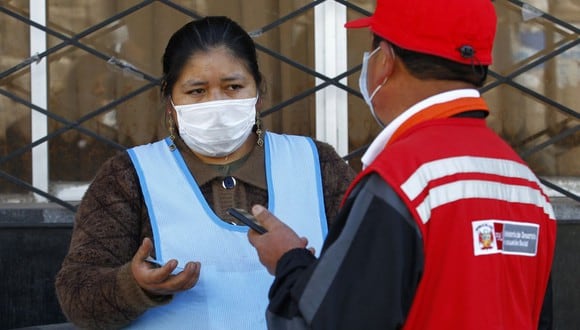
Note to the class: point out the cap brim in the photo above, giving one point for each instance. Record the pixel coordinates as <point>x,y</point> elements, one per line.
<point>359,23</point>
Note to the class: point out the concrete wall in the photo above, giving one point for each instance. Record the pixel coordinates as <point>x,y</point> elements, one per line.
<point>34,240</point>
<point>30,258</point>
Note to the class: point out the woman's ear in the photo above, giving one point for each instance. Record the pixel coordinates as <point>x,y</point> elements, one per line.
<point>259,104</point>
<point>163,86</point>
<point>168,107</point>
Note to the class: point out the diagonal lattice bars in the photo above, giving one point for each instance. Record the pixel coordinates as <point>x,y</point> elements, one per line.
<point>152,82</point>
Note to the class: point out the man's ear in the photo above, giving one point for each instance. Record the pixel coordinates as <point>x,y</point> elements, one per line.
<point>388,57</point>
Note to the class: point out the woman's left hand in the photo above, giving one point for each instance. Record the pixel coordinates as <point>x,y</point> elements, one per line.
<point>160,280</point>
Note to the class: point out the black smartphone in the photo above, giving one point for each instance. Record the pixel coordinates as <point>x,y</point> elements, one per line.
<point>154,262</point>
<point>248,219</point>
<point>159,264</point>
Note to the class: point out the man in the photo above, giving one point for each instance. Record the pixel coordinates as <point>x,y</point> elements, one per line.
<point>445,227</point>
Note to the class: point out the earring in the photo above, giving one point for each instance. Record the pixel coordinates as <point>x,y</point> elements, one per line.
<point>259,131</point>
<point>171,127</point>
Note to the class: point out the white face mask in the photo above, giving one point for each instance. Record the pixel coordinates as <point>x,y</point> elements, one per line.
<point>362,83</point>
<point>216,128</point>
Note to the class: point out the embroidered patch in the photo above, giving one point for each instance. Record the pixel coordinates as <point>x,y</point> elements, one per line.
<point>506,237</point>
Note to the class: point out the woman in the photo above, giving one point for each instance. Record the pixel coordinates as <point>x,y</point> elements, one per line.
<point>167,201</point>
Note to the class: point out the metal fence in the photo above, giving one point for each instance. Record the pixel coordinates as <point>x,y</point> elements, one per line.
<point>530,145</point>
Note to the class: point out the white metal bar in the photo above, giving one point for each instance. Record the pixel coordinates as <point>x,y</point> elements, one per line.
<point>330,60</point>
<point>39,97</point>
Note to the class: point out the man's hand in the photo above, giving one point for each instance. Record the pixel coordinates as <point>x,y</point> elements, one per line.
<point>160,280</point>
<point>278,240</point>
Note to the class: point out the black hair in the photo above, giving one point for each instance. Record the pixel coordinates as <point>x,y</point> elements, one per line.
<point>425,66</point>
<point>203,35</point>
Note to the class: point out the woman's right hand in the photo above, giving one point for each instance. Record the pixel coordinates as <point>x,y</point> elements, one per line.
<point>160,280</point>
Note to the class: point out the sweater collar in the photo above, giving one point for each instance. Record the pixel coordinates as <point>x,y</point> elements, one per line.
<point>249,169</point>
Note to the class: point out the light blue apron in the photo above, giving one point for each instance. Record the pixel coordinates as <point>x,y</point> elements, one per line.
<point>232,291</point>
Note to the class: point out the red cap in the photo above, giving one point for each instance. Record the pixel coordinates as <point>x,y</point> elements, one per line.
<point>458,30</point>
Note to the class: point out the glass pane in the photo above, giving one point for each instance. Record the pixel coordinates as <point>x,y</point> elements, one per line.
<point>15,134</point>
<point>103,95</point>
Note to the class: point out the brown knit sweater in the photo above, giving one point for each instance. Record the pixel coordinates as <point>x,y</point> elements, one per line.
<point>95,286</point>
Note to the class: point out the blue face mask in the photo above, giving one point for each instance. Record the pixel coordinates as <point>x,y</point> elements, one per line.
<point>362,83</point>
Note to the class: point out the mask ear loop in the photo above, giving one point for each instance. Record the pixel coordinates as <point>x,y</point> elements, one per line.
<point>386,77</point>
